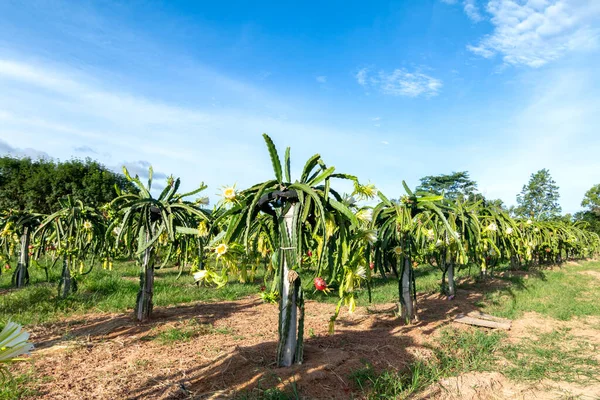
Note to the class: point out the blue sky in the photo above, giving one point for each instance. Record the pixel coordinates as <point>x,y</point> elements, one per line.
<point>386,91</point>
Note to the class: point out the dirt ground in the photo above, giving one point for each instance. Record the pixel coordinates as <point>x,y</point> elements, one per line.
<point>110,356</point>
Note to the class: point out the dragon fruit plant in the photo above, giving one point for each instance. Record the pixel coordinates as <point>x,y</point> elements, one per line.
<point>21,224</point>
<point>141,220</point>
<point>401,240</point>
<point>76,234</point>
<point>13,344</point>
<point>294,217</point>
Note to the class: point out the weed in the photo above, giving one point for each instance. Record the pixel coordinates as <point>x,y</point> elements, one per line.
<point>18,386</point>
<point>556,355</point>
<point>458,351</point>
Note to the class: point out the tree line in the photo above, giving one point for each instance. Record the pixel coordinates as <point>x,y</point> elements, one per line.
<point>38,185</point>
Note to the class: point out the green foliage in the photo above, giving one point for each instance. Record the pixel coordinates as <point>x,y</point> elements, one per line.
<point>539,197</point>
<point>38,185</point>
<point>455,185</point>
<point>141,220</point>
<point>591,216</point>
<point>591,200</point>
<point>590,219</point>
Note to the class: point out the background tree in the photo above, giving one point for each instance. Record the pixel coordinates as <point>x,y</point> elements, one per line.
<point>591,201</point>
<point>455,185</point>
<point>539,197</point>
<point>38,185</point>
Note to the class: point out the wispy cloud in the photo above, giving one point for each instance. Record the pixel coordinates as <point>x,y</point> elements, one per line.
<point>536,32</point>
<point>400,82</point>
<point>472,11</point>
<point>58,110</point>
<point>361,76</point>
<point>321,79</point>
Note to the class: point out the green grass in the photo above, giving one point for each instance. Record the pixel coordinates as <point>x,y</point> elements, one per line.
<point>186,332</point>
<point>557,355</point>
<point>289,393</point>
<point>115,291</point>
<point>456,352</point>
<point>18,386</point>
<point>561,294</point>
<point>105,291</point>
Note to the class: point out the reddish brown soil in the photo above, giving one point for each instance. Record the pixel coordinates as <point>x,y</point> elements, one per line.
<point>110,356</point>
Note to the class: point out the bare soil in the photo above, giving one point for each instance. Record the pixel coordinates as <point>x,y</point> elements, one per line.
<point>493,385</point>
<point>110,356</point>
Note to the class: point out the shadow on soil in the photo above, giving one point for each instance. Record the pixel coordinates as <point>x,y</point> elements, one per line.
<point>125,326</point>
<point>375,337</point>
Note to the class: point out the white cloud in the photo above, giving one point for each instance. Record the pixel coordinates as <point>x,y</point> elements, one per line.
<point>555,130</point>
<point>376,125</point>
<point>411,84</point>
<point>375,118</point>
<point>321,79</point>
<point>400,82</point>
<point>64,113</point>
<point>361,76</point>
<point>536,32</point>
<point>472,10</point>
<point>385,142</point>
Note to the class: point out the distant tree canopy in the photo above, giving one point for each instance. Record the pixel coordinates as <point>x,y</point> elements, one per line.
<point>591,214</point>
<point>539,197</point>
<point>37,185</point>
<point>591,200</point>
<point>454,185</point>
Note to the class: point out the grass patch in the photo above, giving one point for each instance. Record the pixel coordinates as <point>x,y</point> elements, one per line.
<point>457,351</point>
<point>105,291</point>
<point>18,386</point>
<point>561,294</point>
<point>186,332</point>
<point>258,393</point>
<point>557,355</point>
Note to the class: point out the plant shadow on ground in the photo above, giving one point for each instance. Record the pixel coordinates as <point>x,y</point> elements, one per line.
<point>374,340</point>
<point>109,326</point>
<point>242,373</point>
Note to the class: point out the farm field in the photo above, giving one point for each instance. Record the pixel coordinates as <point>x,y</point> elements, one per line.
<point>296,200</point>
<point>221,343</point>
